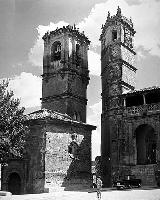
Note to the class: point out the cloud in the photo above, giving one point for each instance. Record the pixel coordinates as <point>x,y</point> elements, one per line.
<point>147,37</point>
<point>95,119</point>
<point>94,63</point>
<point>145,16</point>
<point>27,88</point>
<point>36,52</point>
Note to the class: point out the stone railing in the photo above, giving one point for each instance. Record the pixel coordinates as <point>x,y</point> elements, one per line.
<point>139,110</point>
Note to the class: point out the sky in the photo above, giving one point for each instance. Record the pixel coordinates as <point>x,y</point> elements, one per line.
<point>24,22</point>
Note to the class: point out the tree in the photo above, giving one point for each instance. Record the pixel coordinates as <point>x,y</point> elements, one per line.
<point>12,125</point>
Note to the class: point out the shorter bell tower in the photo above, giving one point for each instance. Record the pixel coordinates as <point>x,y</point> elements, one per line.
<point>65,72</point>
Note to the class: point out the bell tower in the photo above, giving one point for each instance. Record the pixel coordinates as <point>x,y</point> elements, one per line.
<point>117,76</point>
<point>65,72</point>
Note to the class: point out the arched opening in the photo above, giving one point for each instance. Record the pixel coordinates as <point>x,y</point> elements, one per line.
<point>114,35</point>
<point>146,144</point>
<point>77,116</point>
<point>56,51</point>
<point>14,183</point>
<point>78,54</point>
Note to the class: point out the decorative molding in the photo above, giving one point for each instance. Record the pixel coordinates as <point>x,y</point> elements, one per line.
<point>64,96</point>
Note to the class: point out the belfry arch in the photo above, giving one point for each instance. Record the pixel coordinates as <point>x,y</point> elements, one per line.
<point>56,51</point>
<point>145,144</point>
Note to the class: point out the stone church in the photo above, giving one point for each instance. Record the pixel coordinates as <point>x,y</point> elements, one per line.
<point>130,120</point>
<point>58,148</point>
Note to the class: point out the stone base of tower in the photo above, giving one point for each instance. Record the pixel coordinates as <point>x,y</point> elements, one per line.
<point>147,173</point>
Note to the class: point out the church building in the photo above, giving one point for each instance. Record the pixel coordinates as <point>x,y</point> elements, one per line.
<point>130,120</point>
<point>58,148</point>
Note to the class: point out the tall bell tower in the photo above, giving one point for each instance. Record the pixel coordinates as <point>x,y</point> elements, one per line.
<point>118,76</point>
<point>65,72</point>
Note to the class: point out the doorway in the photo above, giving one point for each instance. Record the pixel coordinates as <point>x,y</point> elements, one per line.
<point>14,183</point>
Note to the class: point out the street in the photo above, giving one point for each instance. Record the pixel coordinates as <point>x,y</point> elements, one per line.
<point>136,194</point>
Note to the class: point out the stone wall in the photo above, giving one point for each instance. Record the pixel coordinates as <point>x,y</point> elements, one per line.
<point>61,170</point>
<point>51,165</point>
<point>146,173</point>
<point>14,166</point>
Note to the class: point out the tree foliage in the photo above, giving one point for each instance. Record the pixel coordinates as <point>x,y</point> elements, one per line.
<point>12,127</point>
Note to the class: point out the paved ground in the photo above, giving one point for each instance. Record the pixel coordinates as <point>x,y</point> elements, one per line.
<point>136,194</point>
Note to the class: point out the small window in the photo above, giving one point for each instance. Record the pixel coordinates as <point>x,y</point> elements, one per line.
<point>78,54</point>
<point>75,116</point>
<point>77,49</point>
<point>114,35</point>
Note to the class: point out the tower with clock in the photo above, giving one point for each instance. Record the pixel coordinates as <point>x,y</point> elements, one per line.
<point>117,75</point>
<point>65,72</point>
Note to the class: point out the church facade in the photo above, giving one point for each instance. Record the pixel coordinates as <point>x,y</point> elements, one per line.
<point>130,120</point>
<point>58,147</point>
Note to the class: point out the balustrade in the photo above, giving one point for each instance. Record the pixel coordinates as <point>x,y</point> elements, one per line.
<point>138,110</point>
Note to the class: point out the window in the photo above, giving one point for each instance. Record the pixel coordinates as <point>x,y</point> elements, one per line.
<point>78,54</point>
<point>114,35</point>
<point>77,116</point>
<point>56,51</point>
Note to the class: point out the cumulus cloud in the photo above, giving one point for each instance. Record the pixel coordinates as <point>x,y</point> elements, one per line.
<point>145,15</point>
<point>146,18</point>
<point>94,63</point>
<point>27,88</point>
<point>36,52</point>
<point>95,119</point>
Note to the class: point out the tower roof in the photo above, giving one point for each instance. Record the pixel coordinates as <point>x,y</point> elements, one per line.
<point>117,18</point>
<point>71,30</point>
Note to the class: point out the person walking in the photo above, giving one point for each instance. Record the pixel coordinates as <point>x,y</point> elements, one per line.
<point>99,186</point>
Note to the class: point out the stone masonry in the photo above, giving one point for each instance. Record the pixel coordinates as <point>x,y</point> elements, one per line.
<point>130,118</point>
<point>48,164</point>
<point>58,149</point>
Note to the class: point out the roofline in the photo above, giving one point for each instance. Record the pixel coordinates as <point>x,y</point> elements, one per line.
<point>59,121</point>
<point>141,91</point>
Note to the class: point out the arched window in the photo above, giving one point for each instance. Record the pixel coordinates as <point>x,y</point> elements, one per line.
<point>75,116</point>
<point>79,116</point>
<point>146,145</point>
<point>56,51</point>
<point>114,35</point>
